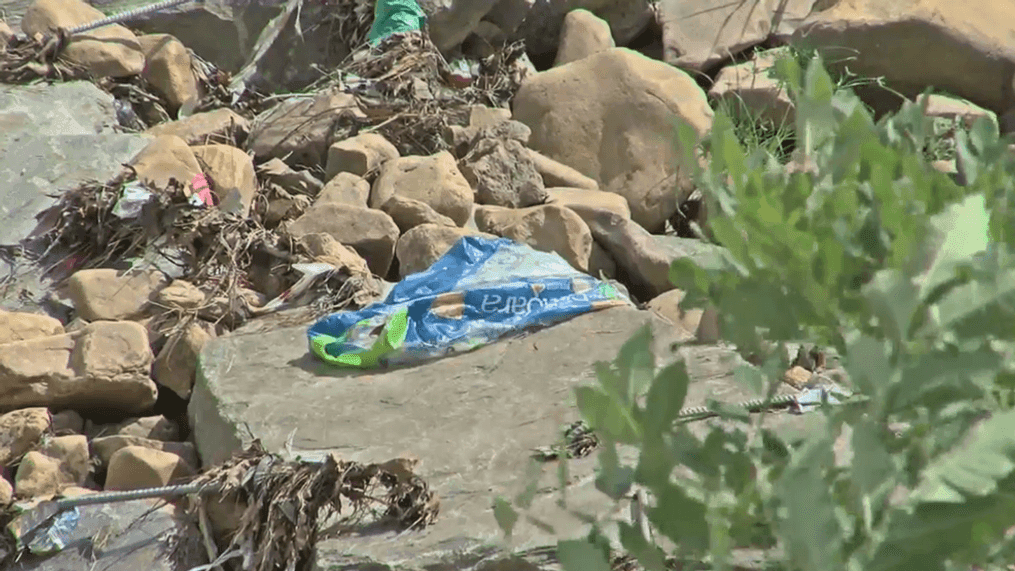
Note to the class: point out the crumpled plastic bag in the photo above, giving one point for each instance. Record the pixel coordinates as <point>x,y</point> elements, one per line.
<point>480,291</point>
<point>395,17</point>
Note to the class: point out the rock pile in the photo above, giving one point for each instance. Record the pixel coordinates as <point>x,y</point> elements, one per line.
<point>149,209</point>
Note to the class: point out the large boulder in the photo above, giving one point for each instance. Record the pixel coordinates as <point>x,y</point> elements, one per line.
<point>64,134</point>
<point>19,326</point>
<point>962,48</point>
<point>503,173</point>
<point>219,126</point>
<point>223,32</point>
<point>548,228</point>
<point>434,180</point>
<point>370,232</point>
<point>472,419</point>
<point>165,159</point>
<point>540,23</point>
<point>231,171</point>
<point>423,245</point>
<point>611,116</point>
<point>109,51</point>
<point>698,34</point>
<point>582,35</point>
<point>106,294</point>
<point>751,89</point>
<point>168,68</point>
<point>20,431</point>
<point>102,366</point>
<point>644,258</point>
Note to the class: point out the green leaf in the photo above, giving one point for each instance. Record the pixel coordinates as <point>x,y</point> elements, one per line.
<point>810,528</point>
<point>636,364</point>
<point>681,519</point>
<point>607,415</point>
<point>894,298</point>
<point>614,479</point>
<point>962,231</point>
<point>874,471</point>
<point>505,515</point>
<point>868,365</point>
<point>665,398</point>
<point>975,469</point>
<point>650,556</point>
<point>532,474</point>
<point>580,555</point>
<point>945,373</point>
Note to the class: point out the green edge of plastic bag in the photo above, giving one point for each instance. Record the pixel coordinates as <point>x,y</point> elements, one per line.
<point>392,337</point>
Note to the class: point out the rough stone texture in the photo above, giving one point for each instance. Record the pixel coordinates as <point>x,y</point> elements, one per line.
<point>141,530</point>
<point>166,158</point>
<point>177,361</point>
<point>557,174</point>
<point>481,116</point>
<point>503,174</point>
<point>646,258</point>
<point>110,51</point>
<point>548,228</point>
<point>291,180</point>
<point>104,294</point>
<point>434,180</point>
<point>472,419</point>
<point>324,248</point>
<point>409,213</point>
<point>137,467</point>
<point>67,421</point>
<point>955,109</point>
<point>345,188</point>
<point>6,492</point>
<point>105,365</point>
<point>180,294</point>
<point>298,130</point>
<point>229,169</point>
<point>222,32</point>
<point>371,233</point>
<point>420,247</point>
<point>168,68</point>
<point>219,126</point>
<point>964,49</point>
<point>539,23</point>
<point>750,88</point>
<point>685,321</point>
<point>582,35</point>
<point>19,326</point>
<point>601,263</point>
<point>155,427</point>
<point>611,117</point>
<point>359,155</point>
<point>104,447</point>
<point>20,430</point>
<point>698,34</point>
<point>586,203</point>
<point>55,137</point>
<point>61,462</point>
<point>461,139</point>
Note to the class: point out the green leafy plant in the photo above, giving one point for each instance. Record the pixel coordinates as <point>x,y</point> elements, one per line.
<point>909,278</point>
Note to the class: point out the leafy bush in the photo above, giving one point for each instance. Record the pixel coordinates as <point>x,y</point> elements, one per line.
<point>910,277</point>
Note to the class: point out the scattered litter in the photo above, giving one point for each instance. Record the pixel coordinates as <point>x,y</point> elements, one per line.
<point>463,72</point>
<point>311,273</point>
<point>202,195</point>
<point>132,201</point>
<point>395,17</point>
<point>51,540</point>
<point>579,442</point>
<point>480,291</point>
<point>811,399</point>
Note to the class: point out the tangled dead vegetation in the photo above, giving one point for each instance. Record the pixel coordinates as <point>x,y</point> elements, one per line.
<point>213,248</point>
<point>287,503</point>
<point>406,88</point>
<point>24,59</point>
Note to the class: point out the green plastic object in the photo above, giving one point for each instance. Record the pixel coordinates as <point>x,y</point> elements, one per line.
<point>395,17</point>
<point>390,338</point>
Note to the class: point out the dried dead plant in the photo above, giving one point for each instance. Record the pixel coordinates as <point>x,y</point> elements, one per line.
<point>286,502</point>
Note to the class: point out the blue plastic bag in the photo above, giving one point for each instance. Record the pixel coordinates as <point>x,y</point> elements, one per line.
<point>480,291</point>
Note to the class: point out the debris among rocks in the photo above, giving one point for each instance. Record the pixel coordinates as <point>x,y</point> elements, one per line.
<point>402,85</point>
<point>578,442</point>
<point>288,501</point>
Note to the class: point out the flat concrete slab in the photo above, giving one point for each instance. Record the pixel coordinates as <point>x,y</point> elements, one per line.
<point>472,420</point>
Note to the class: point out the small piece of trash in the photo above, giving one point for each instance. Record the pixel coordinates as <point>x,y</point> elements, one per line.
<point>811,399</point>
<point>132,200</point>
<point>202,195</point>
